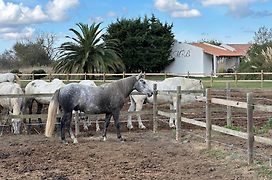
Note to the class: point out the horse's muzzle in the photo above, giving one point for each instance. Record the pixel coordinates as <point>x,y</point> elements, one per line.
<point>150,94</point>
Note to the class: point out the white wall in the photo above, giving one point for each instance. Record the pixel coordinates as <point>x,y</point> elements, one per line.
<point>207,63</point>
<point>187,58</point>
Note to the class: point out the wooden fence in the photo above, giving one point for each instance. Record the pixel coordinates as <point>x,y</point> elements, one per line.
<point>210,78</point>
<point>249,106</point>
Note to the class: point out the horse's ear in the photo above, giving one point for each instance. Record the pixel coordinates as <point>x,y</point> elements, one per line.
<point>139,76</point>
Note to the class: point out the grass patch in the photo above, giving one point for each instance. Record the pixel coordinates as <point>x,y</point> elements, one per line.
<point>236,128</point>
<point>215,153</point>
<point>265,128</point>
<point>263,170</point>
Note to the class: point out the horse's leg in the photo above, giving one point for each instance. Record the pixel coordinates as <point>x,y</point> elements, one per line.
<point>174,106</point>
<point>131,108</point>
<point>97,125</point>
<point>106,125</point>
<point>139,107</point>
<point>68,125</point>
<point>29,104</point>
<point>39,111</point>
<point>65,123</point>
<point>171,121</point>
<point>117,125</point>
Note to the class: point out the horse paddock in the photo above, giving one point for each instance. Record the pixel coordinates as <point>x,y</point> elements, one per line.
<point>144,155</point>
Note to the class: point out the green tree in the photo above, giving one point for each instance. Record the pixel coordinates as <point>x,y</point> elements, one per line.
<point>37,52</point>
<point>87,53</point>
<point>145,44</point>
<point>211,41</point>
<point>259,55</point>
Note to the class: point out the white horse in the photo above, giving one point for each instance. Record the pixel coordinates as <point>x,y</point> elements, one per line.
<point>9,77</point>
<point>13,106</point>
<point>41,87</point>
<point>137,101</point>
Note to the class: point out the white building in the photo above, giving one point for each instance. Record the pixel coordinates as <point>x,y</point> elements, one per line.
<point>205,58</point>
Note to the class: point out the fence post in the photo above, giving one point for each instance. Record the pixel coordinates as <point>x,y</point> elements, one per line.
<point>208,118</point>
<point>50,77</point>
<point>104,77</point>
<point>250,138</point>
<point>85,76</point>
<point>67,77</point>
<point>236,78</point>
<point>124,74</point>
<point>188,74</point>
<point>165,75</point>
<point>211,79</point>
<point>178,113</point>
<point>155,108</point>
<point>262,78</point>
<point>229,118</point>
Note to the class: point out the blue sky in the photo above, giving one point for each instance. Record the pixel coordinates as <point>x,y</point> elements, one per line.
<point>229,21</point>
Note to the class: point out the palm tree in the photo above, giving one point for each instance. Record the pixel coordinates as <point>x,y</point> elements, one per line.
<point>87,53</point>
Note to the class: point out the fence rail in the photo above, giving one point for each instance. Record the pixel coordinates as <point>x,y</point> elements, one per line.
<point>209,78</point>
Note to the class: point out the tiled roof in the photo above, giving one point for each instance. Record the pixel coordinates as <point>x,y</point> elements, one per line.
<point>233,50</point>
<point>241,48</point>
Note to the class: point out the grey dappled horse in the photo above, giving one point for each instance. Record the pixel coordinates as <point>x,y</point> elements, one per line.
<point>107,98</point>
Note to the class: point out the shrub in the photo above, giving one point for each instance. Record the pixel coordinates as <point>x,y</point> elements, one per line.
<point>39,71</point>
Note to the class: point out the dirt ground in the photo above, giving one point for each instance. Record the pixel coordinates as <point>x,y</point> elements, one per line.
<point>144,155</point>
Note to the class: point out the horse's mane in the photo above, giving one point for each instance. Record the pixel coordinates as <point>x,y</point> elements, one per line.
<point>125,85</point>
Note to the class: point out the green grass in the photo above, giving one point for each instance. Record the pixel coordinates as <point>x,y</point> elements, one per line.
<point>236,128</point>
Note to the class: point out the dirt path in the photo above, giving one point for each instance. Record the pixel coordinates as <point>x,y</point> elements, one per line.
<point>143,155</point>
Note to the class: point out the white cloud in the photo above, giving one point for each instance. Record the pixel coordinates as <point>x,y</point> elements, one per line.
<point>238,8</point>
<point>16,33</point>
<point>96,19</point>
<point>111,14</point>
<point>12,14</point>
<point>57,8</point>
<point>176,9</point>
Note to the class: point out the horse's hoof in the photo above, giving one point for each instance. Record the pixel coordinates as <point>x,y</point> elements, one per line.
<point>130,127</point>
<point>142,127</point>
<point>104,138</point>
<point>122,139</point>
<point>75,141</point>
<point>65,142</point>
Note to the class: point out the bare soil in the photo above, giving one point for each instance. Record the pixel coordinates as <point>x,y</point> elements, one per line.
<point>144,154</point>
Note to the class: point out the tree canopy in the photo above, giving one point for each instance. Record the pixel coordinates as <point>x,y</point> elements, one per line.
<point>145,44</point>
<point>259,57</point>
<point>87,53</point>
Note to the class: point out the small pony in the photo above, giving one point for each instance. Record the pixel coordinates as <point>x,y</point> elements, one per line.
<point>107,98</point>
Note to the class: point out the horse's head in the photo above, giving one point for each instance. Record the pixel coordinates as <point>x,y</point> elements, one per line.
<point>142,86</point>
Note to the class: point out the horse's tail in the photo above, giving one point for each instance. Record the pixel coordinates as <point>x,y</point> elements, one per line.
<point>52,113</point>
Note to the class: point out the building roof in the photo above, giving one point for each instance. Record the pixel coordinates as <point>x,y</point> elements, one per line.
<point>228,50</point>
